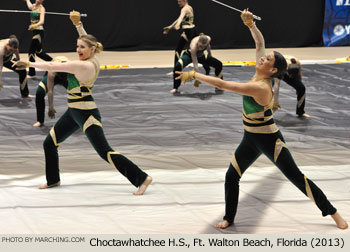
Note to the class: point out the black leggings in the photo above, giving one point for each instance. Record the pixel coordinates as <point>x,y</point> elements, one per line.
<point>40,104</point>
<point>36,49</point>
<point>186,37</point>
<point>23,86</point>
<point>90,122</point>
<point>187,59</point>
<point>299,87</point>
<point>274,147</point>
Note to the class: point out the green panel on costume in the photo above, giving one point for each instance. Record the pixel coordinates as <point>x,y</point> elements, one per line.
<point>251,106</point>
<point>72,81</point>
<point>35,16</point>
<point>44,79</point>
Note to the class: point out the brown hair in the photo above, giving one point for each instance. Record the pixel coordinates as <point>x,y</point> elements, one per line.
<point>13,42</point>
<point>92,41</point>
<point>280,64</point>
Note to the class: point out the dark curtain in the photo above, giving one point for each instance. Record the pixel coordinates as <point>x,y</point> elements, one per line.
<point>137,24</point>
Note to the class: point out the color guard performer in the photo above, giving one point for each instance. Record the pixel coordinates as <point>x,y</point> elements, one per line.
<point>186,22</point>
<point>293,78</point>
<point>37,18</point>
<point>83,113</point>
<point>46,86</point>
<point>196,54</point>
<point>9,47</point>
<point>261,135</point>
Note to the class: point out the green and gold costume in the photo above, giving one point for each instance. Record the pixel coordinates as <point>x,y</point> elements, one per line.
<point>262,136</point>
<point>83,114</point>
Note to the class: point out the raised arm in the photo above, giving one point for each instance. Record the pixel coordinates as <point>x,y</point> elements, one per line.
<point>247,18</point>
<point>75,18</point>
<point>29,4</point>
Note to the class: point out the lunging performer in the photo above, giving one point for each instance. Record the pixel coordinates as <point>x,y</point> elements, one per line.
<point>8,47</point>
<point>37,18</point>
<point>83,113</point>
<point>261,135</point>
<point>196,54</point>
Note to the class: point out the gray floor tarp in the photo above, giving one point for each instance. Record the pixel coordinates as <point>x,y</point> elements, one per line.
<point>185,142</point>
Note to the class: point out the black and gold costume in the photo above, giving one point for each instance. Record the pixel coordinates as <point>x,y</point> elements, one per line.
<point>83,114</point>
<point>37,41</point>
<point>23,88</point>
<point>186,59</point>
<point>189,31</point>
<point>299,87</point>
<point>261,136</point>
<point>41,91</point>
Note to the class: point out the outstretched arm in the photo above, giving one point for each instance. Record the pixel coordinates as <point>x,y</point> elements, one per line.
<point>83,70</point>
<point>253,89</point>
<point>177,23</point>
<point>260,92</point>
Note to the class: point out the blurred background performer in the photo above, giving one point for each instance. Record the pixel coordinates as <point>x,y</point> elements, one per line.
<point>294,79</point>
<point>46,86</point>
<point>186,22</point>
<point>196,54</point>
<point>37,19</point>
<point>8,47</point>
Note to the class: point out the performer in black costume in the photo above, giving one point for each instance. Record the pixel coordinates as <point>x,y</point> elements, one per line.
<point>261,135</point>
<point>8,47</point>
<point>83,113</point>
<point>186,22</point>
<point>196,54</point>
<point>37,19</point>
<point>46,86</point>
<point>294,79</point>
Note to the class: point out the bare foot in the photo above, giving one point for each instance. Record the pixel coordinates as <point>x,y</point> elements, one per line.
<point>170,73</point>
<point>305,115</point>
<point>173,90</point>
<point>143,187</point>
<point>341,223</point>
<point>223,224</point>
<point>29,96</point>
<point>37,124</point>
<point>45,186</point>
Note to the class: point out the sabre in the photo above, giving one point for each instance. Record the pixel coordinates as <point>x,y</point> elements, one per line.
<point>51,13</point>
<point>232,8</point>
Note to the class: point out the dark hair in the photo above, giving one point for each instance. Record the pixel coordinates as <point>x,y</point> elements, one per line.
<point>14,43</point>
<point>61,79</point>
<point>293,69</point>
<point>280,64</point>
